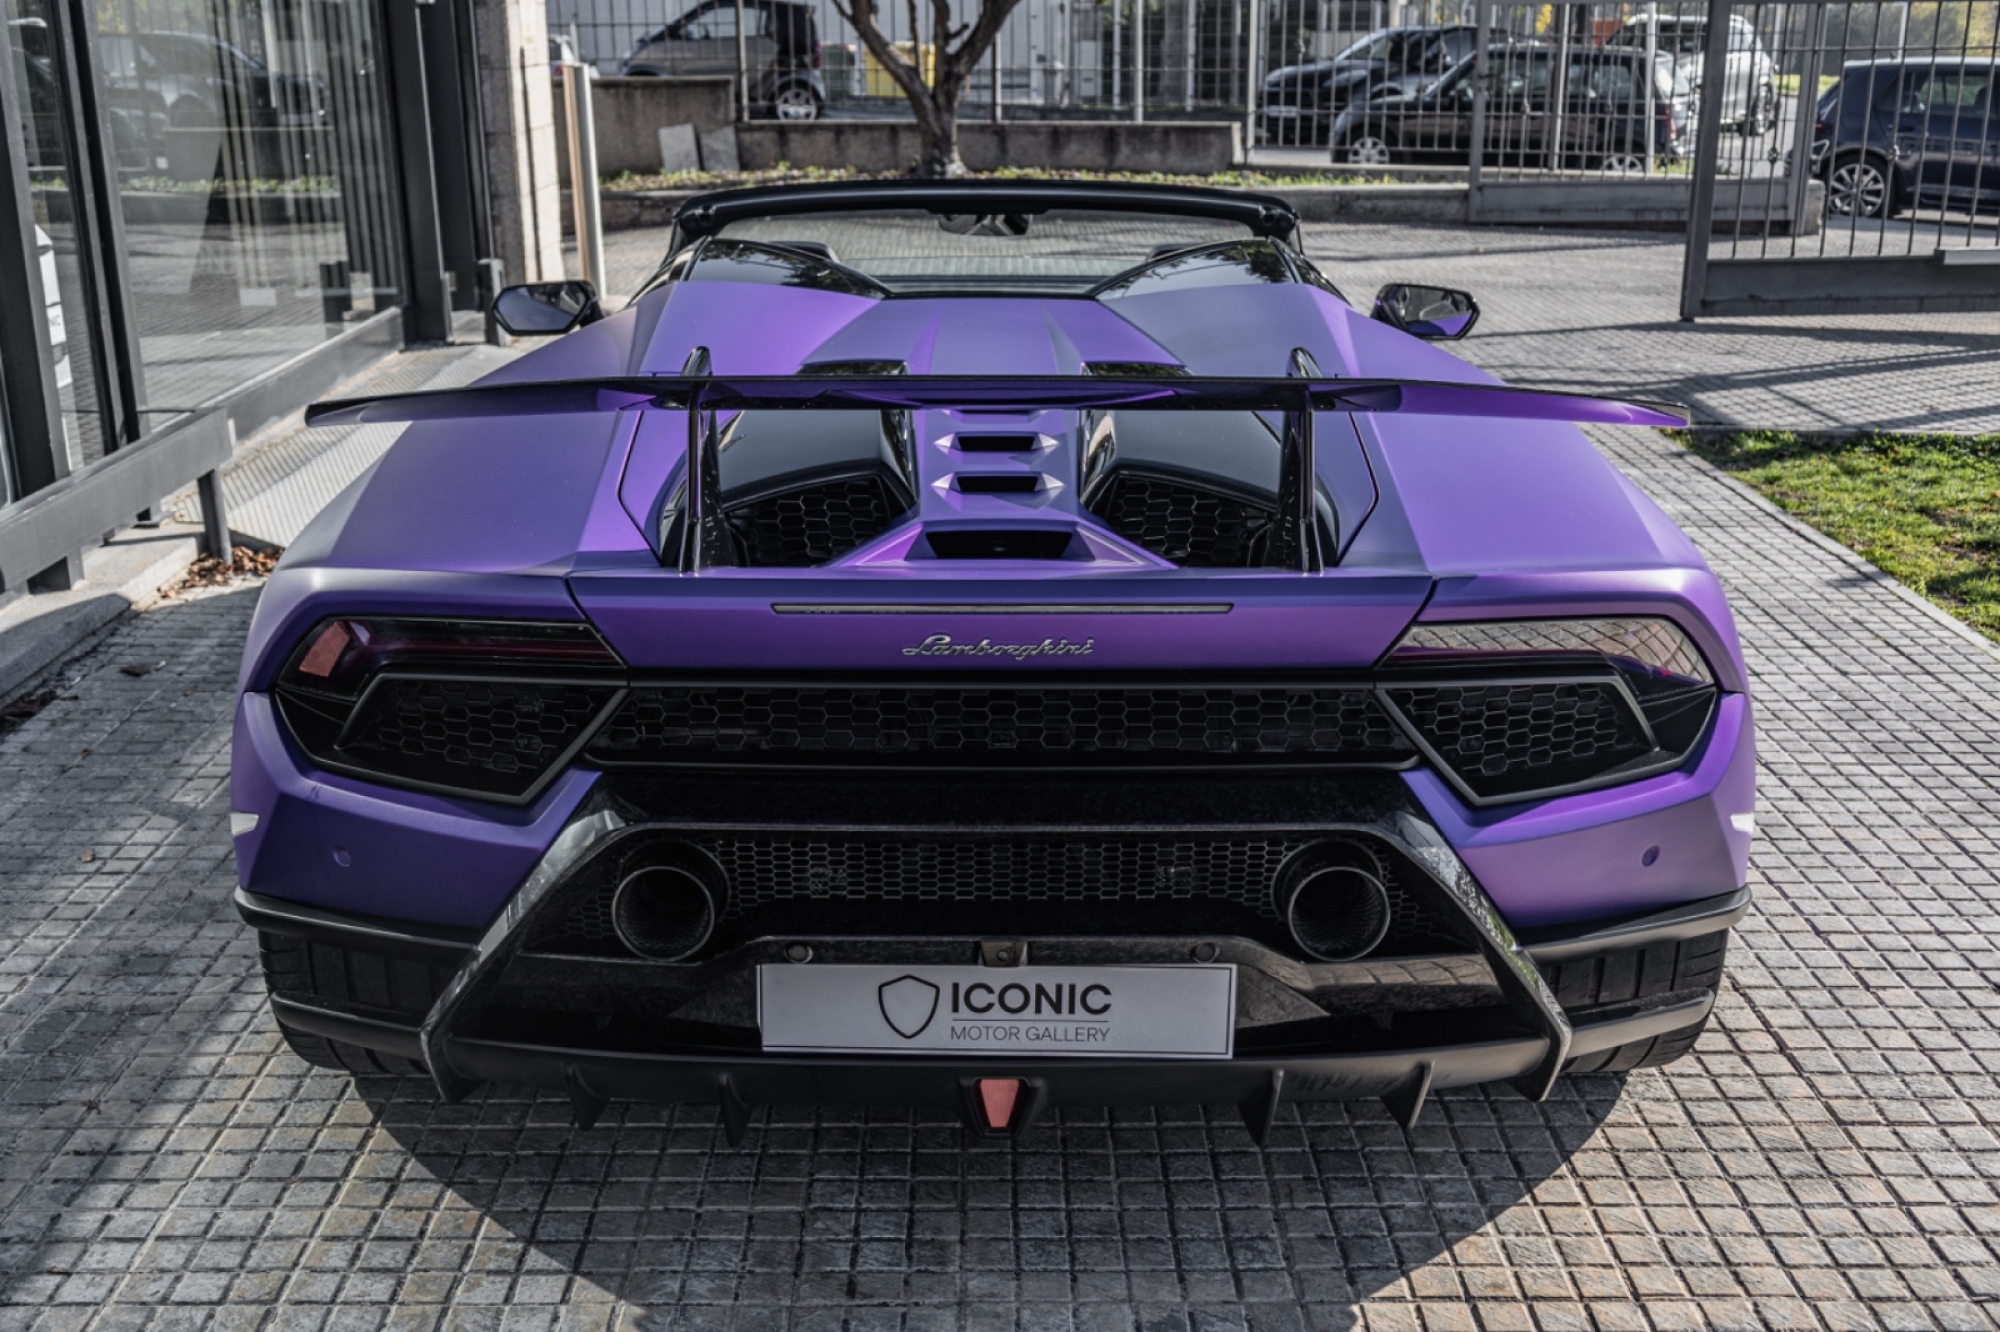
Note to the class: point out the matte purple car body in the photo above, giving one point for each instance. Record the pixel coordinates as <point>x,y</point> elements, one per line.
<point>551,518</point>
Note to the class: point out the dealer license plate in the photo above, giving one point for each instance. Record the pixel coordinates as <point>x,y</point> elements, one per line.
<point>1167,1012</point>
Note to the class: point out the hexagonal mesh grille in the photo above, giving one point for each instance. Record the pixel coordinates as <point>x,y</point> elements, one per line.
<point>913,885</point>
<point>768,871</point>
<point>691,723</point>
<point>1193,527</point>
<point>812,525</point>
<point>1508,738</point>
<point>497,737</point>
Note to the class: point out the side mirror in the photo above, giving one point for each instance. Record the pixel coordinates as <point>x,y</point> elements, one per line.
<point>1436,314</point>
<point>539,309</point>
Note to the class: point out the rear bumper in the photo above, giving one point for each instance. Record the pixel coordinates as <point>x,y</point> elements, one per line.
<point>736,1080</point>
<point>947,1083</point>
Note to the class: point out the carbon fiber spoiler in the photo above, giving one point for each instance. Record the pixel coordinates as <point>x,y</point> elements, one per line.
<point>1153,392</point>
<point>705,540</point>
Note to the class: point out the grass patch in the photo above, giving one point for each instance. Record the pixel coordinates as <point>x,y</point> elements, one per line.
<point>784,174</point>
<point>1789,83</point>
<point>1925,508</point>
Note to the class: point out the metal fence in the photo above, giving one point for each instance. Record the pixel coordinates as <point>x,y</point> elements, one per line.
<point>1122,59</point>
<point>1897,110</point>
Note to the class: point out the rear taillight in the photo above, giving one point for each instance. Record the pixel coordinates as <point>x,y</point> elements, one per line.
<point>483,708</point>
<point>1528,709</point>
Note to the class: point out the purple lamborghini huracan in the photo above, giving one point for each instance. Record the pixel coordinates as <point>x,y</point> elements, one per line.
<point>994,647</point>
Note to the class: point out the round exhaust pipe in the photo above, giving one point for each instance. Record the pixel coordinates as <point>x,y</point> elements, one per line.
<point>1335,903</point>
<point>664,912</point>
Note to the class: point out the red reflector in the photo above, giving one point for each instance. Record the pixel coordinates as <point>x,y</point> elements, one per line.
<point>321,658</point>
<point>997,1097</point>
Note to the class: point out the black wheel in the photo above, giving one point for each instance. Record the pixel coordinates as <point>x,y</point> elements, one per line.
<point>370,985</point>
<point>1683,967</point>
<point>1857,185</point>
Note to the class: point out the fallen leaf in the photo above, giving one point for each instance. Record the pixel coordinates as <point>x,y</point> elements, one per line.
<point>135,671</point>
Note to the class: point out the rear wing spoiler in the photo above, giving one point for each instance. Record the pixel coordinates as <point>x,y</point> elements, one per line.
<point>705,539</point>
<point>1153,392</point>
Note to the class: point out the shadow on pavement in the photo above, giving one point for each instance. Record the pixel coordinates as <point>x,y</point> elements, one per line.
<point>1146,1219</point>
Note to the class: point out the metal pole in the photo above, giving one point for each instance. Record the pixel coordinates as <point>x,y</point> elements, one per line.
<point>1552,151</point>
<point>1708,144</point>
<point>1475,157</point>
<point>742,63</point>
<point>1802,117</point>
<point>1250,80</point>
<point>1138,59</point>
<point>1652,77</point>
<point>1187,24</point>
<point>1118,53</point>
<point>584,202</point>
<point>996,78</point>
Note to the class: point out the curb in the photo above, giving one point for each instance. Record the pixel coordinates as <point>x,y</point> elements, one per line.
<point>41,632</point>
<point>1848,557</point>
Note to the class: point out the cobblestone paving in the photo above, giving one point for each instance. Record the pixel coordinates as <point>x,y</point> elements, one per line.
<point>1826,1158</point>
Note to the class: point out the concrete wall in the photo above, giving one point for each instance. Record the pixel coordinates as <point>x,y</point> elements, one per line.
<point>630,112</point>
<point>1078,145</point>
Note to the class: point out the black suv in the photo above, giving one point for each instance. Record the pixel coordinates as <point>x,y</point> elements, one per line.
<point>781,48</point>
<point>1301,101</point>
<point>1898,134</point>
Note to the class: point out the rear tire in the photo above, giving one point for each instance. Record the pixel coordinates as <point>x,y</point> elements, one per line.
<point>374,986</point>
<point>1761,114</point>
<point>1679,967</point>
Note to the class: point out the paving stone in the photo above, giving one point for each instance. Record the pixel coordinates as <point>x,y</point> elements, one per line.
<point>1826,1158</point>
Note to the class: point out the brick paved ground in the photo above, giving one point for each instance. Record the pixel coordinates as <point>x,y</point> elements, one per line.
<point>1599,312</point>
<point>1826,1159</point>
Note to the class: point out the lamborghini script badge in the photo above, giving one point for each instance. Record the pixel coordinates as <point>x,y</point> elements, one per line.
<point>944,645</point>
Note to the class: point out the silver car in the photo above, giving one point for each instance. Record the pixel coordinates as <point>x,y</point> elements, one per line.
<point>1749,78</point>
<point>780,51</point>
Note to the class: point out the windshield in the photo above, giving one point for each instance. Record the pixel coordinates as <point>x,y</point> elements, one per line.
<point>1375,46</point>
<point>1062,251</point>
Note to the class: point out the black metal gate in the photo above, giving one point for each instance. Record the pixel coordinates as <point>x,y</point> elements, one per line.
<point>1885,125</point>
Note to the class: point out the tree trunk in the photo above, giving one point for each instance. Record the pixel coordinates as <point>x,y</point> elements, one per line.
<point>937,128</point>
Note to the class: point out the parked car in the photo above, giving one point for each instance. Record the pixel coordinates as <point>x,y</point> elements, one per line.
<point>998,647</point>
<point>135,134</point>
<point>1749,85</point>
<point>1602,122</point>
<point>1898,134</point>
<point>201,82</point>
<point>1301,101</point>
<point>781,51</point>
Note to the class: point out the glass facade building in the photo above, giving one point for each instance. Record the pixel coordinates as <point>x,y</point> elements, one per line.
<point>214,194</point>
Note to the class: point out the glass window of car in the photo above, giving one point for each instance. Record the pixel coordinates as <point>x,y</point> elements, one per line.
<point>1062,251</point>
<point>1609,80</point>
<point>1515,75</point>
<point>710,25</point>
<point>1384,46</point>
<point>1957,90</point>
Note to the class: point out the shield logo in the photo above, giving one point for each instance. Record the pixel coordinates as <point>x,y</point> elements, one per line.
<point>908,1005</point>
